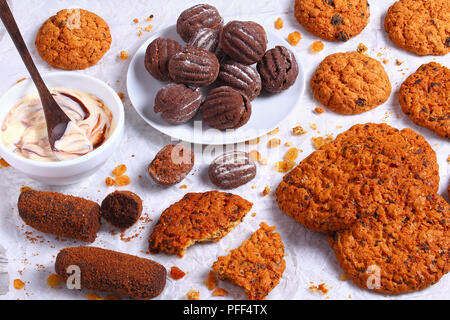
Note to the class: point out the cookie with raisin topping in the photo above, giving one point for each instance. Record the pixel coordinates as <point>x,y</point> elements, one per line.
<point>334,20</point>
<point>425,98</point>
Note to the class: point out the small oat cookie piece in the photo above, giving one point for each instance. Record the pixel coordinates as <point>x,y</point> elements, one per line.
<point>278,69</point>
<point>257,265</point>
<point>350,83</point>
<point>425,98</point>
<point>157,57</point>
<point>243,41</point>
<point>171,165</point>
<point>335,20</point>
<point>422,27</point>
<point>341,182</point>
<point>73,39</point>
<point>198,217</point>
<point>406,241</point>
<point>121,209</point>
<point>232,169</point>
<point>177,103</point>
<point>201,16</point>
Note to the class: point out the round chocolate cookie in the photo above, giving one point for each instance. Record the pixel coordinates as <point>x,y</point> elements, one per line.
<point>403,246</point>
<point>194,66</point>
<point>121,209</point>
<point>422,27</point>
<point>177,103</point>
<point>232,169</point>
<point>425,98</point>
<point>350,83</point>
<point>342,182</point>
<point>334,20</point>
<point>278,69</point>
<point>158,55</point>
<point>73,39</point>
<point>244,41</point>
<point>198,17</point>
<point>207,39</point>
<point>171,165</point>
<point>241,77</point>
<point>226,108</point>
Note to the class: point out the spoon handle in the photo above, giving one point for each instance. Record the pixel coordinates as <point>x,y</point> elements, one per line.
<point>53,112</point>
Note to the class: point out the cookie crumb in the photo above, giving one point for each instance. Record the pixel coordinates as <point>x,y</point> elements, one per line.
<point>219,292</point>
<point>121,95</point>
<point>123,55</point>
<point>193,295</point>
<point>255,155</point>
<point>284,166</point>
<point>176,273</point>
<point>385,61</point>
<point>319,110</point>
<point>317,46</point>
<point>183,186</point>
<point>294,38</point>
<point>148,28</point>
<point>398,62</point>
<point>279,23</point>
<point>343,277</point>
<point>298,131</point>
<point>313,126</point>
<point>211,281</point>
<point>361,48</point>
<point>288,144</point>
<point>319,142</point>
<point>3,163</point>
<point>266,191</point>
<point>274,143</point>
<point>253,141</point>
<point>320,288</point>
<point>274,132</point>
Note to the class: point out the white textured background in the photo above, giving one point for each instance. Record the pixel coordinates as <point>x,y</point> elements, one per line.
<point>308,257</point>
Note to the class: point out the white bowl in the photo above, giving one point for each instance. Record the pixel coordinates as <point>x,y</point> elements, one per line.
<point>71,171</point>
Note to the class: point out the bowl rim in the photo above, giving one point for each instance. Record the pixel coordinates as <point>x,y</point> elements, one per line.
<point>118,124</point>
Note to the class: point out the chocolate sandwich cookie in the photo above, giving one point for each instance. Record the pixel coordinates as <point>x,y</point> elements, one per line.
<point>157,57</point>
<point>278,69</point>
<point>241,77</point>
<point>232,169</point>
<point>226,108</point>
<point>194,66</point>
<point>243,41</point>
<point>201,16</point>
<point>177,103</point>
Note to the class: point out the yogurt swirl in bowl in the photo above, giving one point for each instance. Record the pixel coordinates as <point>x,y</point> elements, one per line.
<point>24,130</point>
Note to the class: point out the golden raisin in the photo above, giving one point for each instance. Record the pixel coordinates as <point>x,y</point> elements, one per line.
<point>284,166</point>
<point>18,284</point>
<point>119,170</point>
<point>317,46</point>
<point>123,55</point>
<point>319,110</point>
<point>183,186</point>
<point>266,191</point>
<point>110,181</point>
<point>291,155</point>
<point>255,155</point>
<point>279,23</point>
<point>298,131</point>
<point>253,141</point>
<point>24,188</point>
<point>136,20</point>
<point>319,142</point>
<point>273,143</point>
<point>121,95</point>
<point>123,181</point>
<point>148,28</point>
<point>274,131</point>
<point>53,280</point>
<point>294,38</point>
<point>93,296</point>
<point>176,273</point>
<point>193,295</point>
<point>3,163</point>
<point>219,292</point>
<point>211,281</point>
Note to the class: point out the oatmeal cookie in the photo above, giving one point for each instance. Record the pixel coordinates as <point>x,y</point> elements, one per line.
<point>335,20</point>
<point>422,27</point>
<point>257,265</point>
<point>405,241</point>
<point>73,39</point>
<point>198,217</point>
<point>342,181</point>
<point>350,83</point>
<point>425,98</point>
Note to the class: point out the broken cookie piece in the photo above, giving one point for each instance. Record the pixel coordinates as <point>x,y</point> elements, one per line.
<point>257,265</point>
<point>198,217</point>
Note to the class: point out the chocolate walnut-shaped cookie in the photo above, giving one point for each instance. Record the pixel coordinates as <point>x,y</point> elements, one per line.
<point>158,55</point>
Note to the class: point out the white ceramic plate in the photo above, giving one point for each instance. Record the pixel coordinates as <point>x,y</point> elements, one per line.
<point>268,111</point>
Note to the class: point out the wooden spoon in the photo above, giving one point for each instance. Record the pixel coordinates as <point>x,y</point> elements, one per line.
<point>55,118</point>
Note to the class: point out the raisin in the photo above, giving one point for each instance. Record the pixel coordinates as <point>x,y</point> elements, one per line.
<point>330,2</point>
<point>336,20</point>
<point>447,42</point>
<point>361,102</point>
<point>418,81</point>
<point>342,36</point>
<point>435,84</point>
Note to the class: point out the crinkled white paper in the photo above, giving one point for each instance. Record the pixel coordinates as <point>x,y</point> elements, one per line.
<point>309,260</point>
